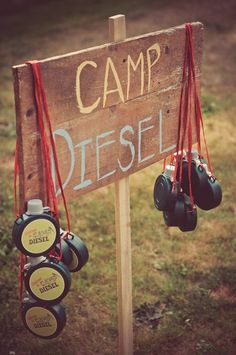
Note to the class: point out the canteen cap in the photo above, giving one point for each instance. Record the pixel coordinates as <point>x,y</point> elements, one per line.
<point>34,206</point>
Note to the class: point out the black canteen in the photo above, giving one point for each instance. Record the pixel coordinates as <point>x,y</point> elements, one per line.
<point>199,177</point>
<point>206,189</point>
<point>48,282</point>
<point>184,215</point>
<point>164,197</point>
<point>44,321</point>
<point>211,196</point>
<point>190,220</point>
<point>64,249</point>
<point>176,216</point>
<point>36,231</point>
<point>199,174</point>
<point>80,254</point>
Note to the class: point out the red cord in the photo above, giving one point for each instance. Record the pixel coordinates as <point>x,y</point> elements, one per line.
<point>21,278</point>
<point>164,165</point>
<point>198,112</point>
<point>42,106</point>
<point>172,158</point>
<point>17,213</point>
<point>182,122</point>
<point>16,175</point>
<point>189,97</point>
<point>45,146</point>
<point>190,82</point>
<point>54,152</point>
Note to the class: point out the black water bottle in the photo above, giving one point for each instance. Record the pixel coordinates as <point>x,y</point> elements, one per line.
<point>164,195</point>
<point>43,321</point>
<point>36,231</point>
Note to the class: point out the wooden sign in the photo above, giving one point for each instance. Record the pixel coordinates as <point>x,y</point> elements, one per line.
<point>114,110</point>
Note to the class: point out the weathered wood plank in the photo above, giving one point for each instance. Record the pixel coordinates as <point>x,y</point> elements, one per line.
<point>108,136</point>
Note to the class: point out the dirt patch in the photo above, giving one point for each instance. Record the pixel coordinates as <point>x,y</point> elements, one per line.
<point>224,293</point>
<point>149,314</point>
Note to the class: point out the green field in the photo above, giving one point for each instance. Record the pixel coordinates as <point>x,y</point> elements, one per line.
<point>184,284</point>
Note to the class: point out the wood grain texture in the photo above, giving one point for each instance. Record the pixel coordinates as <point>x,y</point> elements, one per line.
<point>124,266</point>
<point>160,92</point>
<point>117,32</point>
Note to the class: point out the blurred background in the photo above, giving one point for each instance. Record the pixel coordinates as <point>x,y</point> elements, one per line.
<point>184,284</point>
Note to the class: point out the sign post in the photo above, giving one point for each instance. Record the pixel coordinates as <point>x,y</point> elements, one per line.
<point>117,32</point>
<point>114,111</point>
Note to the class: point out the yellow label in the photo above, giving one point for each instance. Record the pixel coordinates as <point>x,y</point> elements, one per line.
<point>46,283</point>
<point>74,262</point>
<point>38,236</point>
<point>41,321</point>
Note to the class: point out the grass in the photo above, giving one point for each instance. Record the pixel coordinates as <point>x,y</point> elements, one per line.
<point>191,276</point>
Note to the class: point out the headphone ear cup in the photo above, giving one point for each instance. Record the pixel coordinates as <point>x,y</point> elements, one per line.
<point>211,196</point>
<point>164,197</point>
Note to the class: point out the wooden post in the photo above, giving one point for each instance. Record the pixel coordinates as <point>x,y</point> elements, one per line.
<point>117,32</point>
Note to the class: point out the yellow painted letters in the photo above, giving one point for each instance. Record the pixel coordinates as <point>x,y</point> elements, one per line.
<point>110,65</point>
<point>84,109</point>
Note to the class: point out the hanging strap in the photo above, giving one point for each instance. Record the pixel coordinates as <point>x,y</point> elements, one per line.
<point>51,196</point>
<point>42,108</point>
<point>164,165</point>
<point>189,105</point>
<point>17,214</point>
<point>198,112</point>
<point>188,28</point>
<point>183,117</point>
<point>16,176</point>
